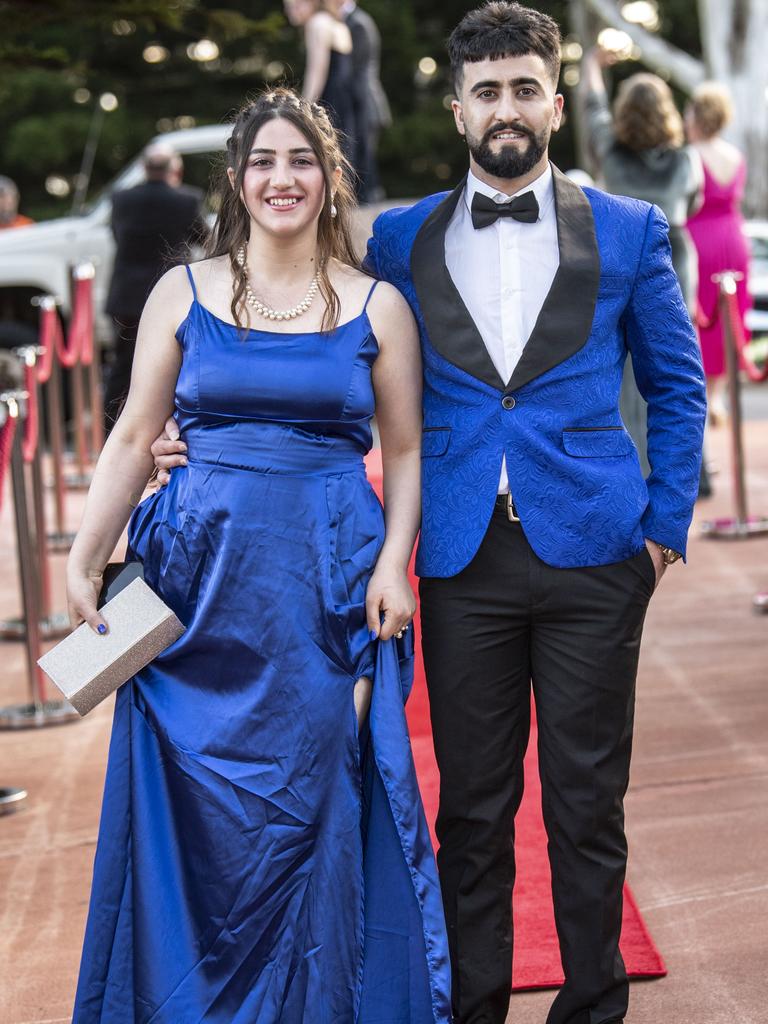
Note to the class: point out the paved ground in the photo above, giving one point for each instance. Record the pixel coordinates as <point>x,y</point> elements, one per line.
<point>697,811</point>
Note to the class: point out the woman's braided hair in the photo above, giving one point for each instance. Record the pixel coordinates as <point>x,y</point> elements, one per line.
<point>334,234</point>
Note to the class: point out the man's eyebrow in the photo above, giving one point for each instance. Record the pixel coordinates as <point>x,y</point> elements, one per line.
<point>495,84</point>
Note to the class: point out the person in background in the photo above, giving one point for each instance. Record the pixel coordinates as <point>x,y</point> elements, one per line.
<point>9,206</point>
<point>153,225</point>
<point>641,153</point>
<point>716,228</point>
<point>329,70</point>
<point>372,112</point>
<point>12,333</point>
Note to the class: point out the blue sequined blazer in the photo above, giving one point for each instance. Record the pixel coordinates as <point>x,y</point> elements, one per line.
<point>573,468</point>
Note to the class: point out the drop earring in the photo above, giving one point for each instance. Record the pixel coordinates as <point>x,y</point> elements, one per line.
<point>334,211</point>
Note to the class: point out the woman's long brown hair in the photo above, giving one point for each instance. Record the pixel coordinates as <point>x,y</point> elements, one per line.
<point>334,234</point>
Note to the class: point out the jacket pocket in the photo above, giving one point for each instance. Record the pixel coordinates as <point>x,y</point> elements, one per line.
<point>597,442</point>
<point>434,441</point>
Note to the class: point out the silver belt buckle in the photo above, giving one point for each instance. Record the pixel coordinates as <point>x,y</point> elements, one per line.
<point>512,515</point>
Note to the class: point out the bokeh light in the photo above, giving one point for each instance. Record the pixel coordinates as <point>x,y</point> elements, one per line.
<point>203,50</point>
<point>57,186</point>
<point>571,75</point>
<point>108,102</point>
<point>642,12</point>
<point>154,53</point>
<point>616,42</point>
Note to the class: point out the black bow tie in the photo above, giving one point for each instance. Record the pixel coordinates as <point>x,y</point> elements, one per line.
<point>486,211</point>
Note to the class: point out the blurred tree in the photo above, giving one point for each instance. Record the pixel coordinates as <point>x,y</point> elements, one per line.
<point>58,56</point>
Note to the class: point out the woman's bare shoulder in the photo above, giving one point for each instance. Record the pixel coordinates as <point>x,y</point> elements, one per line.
<point>321,26</point>
<point>356,283</point>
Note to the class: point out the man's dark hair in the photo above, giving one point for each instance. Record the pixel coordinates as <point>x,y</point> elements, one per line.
<point>501,29</point>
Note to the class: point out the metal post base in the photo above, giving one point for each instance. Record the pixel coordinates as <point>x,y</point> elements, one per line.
<point>11,799</point>
<point>728,528</point>
<point>60,541</point>
<point>54,627</point>
<point>760,603</point>
<point>31,716</point>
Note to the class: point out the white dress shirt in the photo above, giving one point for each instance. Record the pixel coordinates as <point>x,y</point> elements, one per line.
<point>503,272</point>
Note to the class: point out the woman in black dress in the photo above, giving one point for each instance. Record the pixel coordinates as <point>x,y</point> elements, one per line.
<point>328,74</point>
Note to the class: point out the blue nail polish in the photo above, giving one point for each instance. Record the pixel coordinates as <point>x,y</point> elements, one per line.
<point>373,634</point>
<point>102,628</point>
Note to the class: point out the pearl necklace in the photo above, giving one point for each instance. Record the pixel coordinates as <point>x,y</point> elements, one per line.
<point>266,311</point>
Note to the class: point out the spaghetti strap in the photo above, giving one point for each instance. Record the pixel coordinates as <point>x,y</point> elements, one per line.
<point>368,298</point>
<point>191,281</point>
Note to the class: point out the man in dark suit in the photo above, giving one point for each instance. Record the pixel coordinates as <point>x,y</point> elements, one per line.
<point>154,224</point>
<point>372,111</point>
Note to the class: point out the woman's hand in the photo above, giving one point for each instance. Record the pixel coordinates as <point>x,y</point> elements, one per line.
<point>83,589</point>
<point>389,596</point>
<point>168,451</point>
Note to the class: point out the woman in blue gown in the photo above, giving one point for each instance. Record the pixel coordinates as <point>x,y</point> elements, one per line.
<point>263,856</point>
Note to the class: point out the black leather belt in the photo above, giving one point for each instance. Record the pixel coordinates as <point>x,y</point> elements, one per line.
<point>506,504</point>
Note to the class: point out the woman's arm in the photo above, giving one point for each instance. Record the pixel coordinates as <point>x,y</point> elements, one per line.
<point>597,114</point>
<point>397,384</point>
<point>318,37</point>
<point>696,181</point>
<point>125,463</point>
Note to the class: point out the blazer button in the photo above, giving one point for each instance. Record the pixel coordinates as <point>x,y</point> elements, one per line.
<point>508,402</point>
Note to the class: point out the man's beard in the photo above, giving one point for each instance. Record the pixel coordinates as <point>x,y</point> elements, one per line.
<point>510,161</point>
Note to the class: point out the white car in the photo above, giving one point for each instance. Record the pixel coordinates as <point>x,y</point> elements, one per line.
<point>39,259</point>
<point>757,235</point>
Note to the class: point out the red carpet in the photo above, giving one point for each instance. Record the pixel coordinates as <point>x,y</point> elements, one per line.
<point>537,958</point>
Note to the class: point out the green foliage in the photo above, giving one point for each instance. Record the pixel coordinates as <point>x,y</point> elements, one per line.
<point>50,50</point>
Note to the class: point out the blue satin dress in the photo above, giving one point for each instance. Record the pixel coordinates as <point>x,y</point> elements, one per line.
<point>260,860</point>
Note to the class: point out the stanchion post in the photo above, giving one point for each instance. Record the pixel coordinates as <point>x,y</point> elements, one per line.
<point>38,711</point>
<point>79,444</point>
<point>742,525</point>
<point>81,331</point>
<point>727,289</point>
<point>60,539</point>
<point>96,401</point>
<point>50,625</point>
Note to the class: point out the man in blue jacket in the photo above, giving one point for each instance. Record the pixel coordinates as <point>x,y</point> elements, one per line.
<point>541,543</point>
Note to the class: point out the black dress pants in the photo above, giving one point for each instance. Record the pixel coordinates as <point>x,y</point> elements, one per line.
<point>506,622</point>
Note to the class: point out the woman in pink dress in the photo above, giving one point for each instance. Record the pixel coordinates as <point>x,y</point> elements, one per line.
<point>716,228</point>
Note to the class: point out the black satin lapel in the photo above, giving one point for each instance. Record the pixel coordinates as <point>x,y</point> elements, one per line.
<point>452,331</point>
<point>565,320</point>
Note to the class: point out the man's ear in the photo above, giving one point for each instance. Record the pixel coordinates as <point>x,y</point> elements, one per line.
<point>557,116</point>
<point>458,116</point>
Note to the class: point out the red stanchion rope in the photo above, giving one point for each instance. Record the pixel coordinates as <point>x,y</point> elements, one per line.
<point>734,316</point>
<point>50,326</point>
<point>6,447</point>
<point>754,372</point>
<point>32,423</point>
<point>82,318</point>
<point>68,352</point>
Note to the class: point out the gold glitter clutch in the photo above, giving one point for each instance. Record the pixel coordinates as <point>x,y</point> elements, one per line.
<point>87,667</point>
